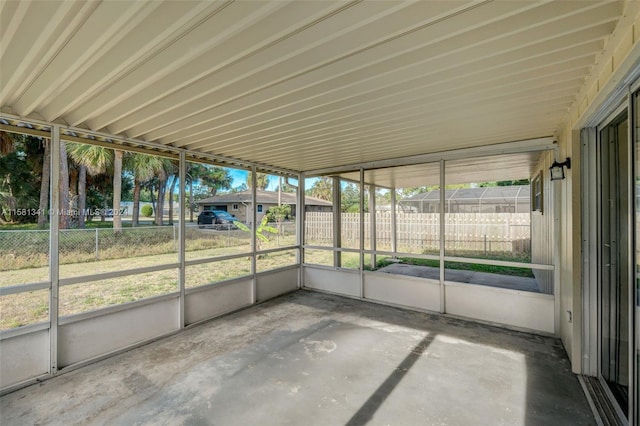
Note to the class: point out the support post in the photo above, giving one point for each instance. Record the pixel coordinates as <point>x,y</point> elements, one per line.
<point>442,237</point>
<point>181,238</point>
<point>337,221</point>
<point>254,242</point>
<point>300,226</point>
<point>54,243</point>
<point>361,233</point>
<point>394,223</point>
<point>372,224</point>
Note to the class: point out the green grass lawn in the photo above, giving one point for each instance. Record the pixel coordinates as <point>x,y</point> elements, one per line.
<point>476,267</point>
<point>24,259</point>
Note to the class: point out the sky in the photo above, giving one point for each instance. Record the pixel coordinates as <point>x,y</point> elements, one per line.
<point>240,177</point>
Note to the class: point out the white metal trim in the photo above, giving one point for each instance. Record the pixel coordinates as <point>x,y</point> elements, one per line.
<point>21,331</point>
<point>70,319</point>
<point>519,293</point>
<point>631,225</point>
<point>54,252</point>
<point>182,170</point>
<point>254,241</point>
<point>209,286</point>
<point>117,274</point>
<point>500,263</point>
<point>336,249</point>
<point>442,236</point>
<point>24,384</point>
<point>394,219</point>
<point>275,250</point>
<point>300,225</point>
<point>21,288</point>
<point>529,145</point>
<point>275,270</point>
<point>361,264</point>
<point>216,259</point>
<point>589,251</point>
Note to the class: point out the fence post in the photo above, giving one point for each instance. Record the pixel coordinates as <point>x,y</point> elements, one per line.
<point>485,244</point>
<point>97,245</point>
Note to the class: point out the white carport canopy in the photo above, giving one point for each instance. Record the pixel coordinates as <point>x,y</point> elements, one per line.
<point>303,85</point>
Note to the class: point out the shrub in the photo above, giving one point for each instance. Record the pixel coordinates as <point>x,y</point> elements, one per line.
<point>147,210</point>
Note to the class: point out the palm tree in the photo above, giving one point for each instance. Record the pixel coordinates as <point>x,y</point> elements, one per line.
<point>91,159</point>
<point>195,172</point>
<point>216,178</point>
<point>162,187</point>
<point>262,180</point>
<point>63,187</point>
<point>44,185</point>
<point>322,188</point>
<point>144,168</point>
<point>7,145</point>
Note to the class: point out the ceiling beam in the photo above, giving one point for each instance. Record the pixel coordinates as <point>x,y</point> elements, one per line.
<point>538,144</point>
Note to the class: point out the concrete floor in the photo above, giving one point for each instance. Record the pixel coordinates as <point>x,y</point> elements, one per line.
<point>314,359</point>
<point>459,276</point>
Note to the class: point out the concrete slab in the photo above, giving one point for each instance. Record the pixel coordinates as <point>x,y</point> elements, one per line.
<point>471,277</point>
<point>314,359</point>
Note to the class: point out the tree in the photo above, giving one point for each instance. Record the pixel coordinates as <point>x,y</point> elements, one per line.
<point>350,198</point>
<point>162,186</point>
<point>7,145</point>
<point>411,191</point>
<point>287,188</point>
<point>278,214</point>
<point>63,187</point>
<point>43,204</point>
<point>240,188</point>
<point>262,180</point>
<point>216,178</point>
<point>91,159</point>
<point>322,188</point>
<point>261,230</point>
<point>144,168</point>
<point>194,173</point>
<point>17,183</point>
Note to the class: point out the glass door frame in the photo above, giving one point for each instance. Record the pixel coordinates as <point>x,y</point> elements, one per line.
<point>622,113</point>
<point>628,100</point>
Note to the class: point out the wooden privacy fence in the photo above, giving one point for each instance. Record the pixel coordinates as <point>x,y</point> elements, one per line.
<point>465,232</point>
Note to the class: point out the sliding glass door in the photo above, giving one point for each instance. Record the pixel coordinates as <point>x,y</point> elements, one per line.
<point>615,232</point>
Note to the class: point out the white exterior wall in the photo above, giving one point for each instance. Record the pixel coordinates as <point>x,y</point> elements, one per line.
<point>542,228</point>
<point>613,65</point>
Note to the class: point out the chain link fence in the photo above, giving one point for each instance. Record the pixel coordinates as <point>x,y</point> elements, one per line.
<point>22,249</point>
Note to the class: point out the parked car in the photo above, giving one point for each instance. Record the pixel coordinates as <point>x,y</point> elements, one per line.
<point>218,219</point>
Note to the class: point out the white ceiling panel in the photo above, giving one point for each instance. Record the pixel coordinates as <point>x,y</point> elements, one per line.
<point>303,85</point>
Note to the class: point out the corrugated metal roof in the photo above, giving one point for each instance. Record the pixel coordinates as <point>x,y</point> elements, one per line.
<point>303,85</point>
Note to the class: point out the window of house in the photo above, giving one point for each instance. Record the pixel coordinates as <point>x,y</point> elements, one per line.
<point>234,207</point>
<point>536,193</point>
<point>259,208</point>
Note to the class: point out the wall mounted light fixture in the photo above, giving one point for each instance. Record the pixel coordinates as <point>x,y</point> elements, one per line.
<point>557,169</point>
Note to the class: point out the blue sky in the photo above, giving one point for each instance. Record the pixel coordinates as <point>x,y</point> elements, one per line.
<point>240,177</point>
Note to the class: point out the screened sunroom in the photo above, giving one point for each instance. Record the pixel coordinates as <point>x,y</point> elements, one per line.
<point>476,165</point>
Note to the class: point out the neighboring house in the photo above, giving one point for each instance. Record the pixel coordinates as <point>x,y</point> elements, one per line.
<point>239,203</point>
<point>493,199</point>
